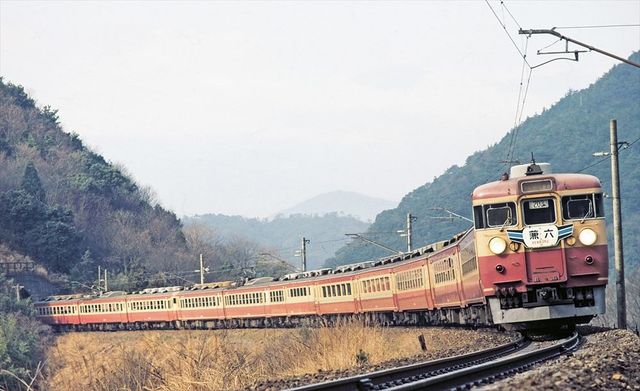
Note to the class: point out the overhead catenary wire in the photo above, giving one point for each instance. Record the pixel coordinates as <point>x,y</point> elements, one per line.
<point>522,89</point>
<point>517,128</point>
<point>504,27</point>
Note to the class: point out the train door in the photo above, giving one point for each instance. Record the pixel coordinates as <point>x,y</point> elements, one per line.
<point>316,299</point>
<point>357,297</point>
<point>457,268</point>
<point>428,284</point>
<point>544,261</point>
<point>174,307</point>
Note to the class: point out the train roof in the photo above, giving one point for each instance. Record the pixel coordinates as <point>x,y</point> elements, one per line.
<point>516,187</point>
<point>292,279</point>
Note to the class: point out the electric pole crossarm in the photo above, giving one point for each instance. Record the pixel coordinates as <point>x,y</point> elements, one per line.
<point>584,45</point>
<point>374,243</point>
<point>451,215</point>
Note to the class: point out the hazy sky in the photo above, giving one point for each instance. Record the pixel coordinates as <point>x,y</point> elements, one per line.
<point>250,107</point>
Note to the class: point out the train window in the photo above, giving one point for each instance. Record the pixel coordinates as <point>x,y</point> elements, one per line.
<point>536,186</point>
<point>349,289</point>
<point>469,266</point>
<point>478,217</point>
<point>539,211</point>
<point>579,207</point>
<point>499,215</point>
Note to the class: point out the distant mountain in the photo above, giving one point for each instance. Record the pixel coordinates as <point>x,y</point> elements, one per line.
<point>283,235</point>
<point>346,203</point>
<point>565,135</point>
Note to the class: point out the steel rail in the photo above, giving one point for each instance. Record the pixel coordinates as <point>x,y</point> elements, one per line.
<point>413,372</point>
<point>489,372</point>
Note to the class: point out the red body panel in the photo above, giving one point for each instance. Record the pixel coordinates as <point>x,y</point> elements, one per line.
<point>447,294</point>
<point>556,265</point>
<point>411,300</point>
<point>582,274</point>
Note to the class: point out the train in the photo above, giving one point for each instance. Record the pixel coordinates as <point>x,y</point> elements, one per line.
<point>536,257</point>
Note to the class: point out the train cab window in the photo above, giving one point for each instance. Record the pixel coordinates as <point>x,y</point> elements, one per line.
<point>579,207</point>
<point>478,217</point>
<point>539,211</point>
<point>495,215</point>
<point>501,215</point>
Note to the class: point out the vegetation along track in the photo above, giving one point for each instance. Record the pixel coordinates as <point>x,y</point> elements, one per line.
<point>464,371</point>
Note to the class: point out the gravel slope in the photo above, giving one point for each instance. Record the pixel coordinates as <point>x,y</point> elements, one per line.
<point>609,359</point>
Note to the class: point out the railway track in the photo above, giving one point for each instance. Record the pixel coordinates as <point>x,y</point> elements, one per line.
<point>458,372</point>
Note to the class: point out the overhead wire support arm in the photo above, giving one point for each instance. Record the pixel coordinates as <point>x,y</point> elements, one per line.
<point>451,215</point>
<point>374,243</point>
<point>584,45</point>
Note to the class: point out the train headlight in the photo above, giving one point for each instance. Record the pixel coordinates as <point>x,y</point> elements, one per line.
<point>588,236</point>
<point>497,245</point>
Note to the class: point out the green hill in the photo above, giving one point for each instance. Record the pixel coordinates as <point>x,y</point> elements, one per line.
<point>564,135</point>
<point>66,206</point>
<point>71,210</point>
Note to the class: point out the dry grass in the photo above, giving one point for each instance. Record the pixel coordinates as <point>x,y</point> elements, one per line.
<point>227,359</point>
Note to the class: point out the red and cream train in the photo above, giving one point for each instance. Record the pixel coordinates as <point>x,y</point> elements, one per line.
<point>536,257</point>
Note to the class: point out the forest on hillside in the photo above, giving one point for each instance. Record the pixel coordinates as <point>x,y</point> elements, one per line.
<point>70,210</point>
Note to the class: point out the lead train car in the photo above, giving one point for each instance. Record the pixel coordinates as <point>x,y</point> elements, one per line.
<point>537,257</point>
<point>542,247</point>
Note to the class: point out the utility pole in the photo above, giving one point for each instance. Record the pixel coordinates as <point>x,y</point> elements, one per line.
<point>614,149</point>
<point>303,253</point>
<point>567,39</point>
<point>408,231</point>
<point>617,227</point>
<point>201,269</point>
<point>106,281</point>
<point>18,287</point>
<point>99,279</point>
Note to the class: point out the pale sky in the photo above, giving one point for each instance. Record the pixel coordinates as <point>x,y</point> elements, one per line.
<point>250,107</point>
